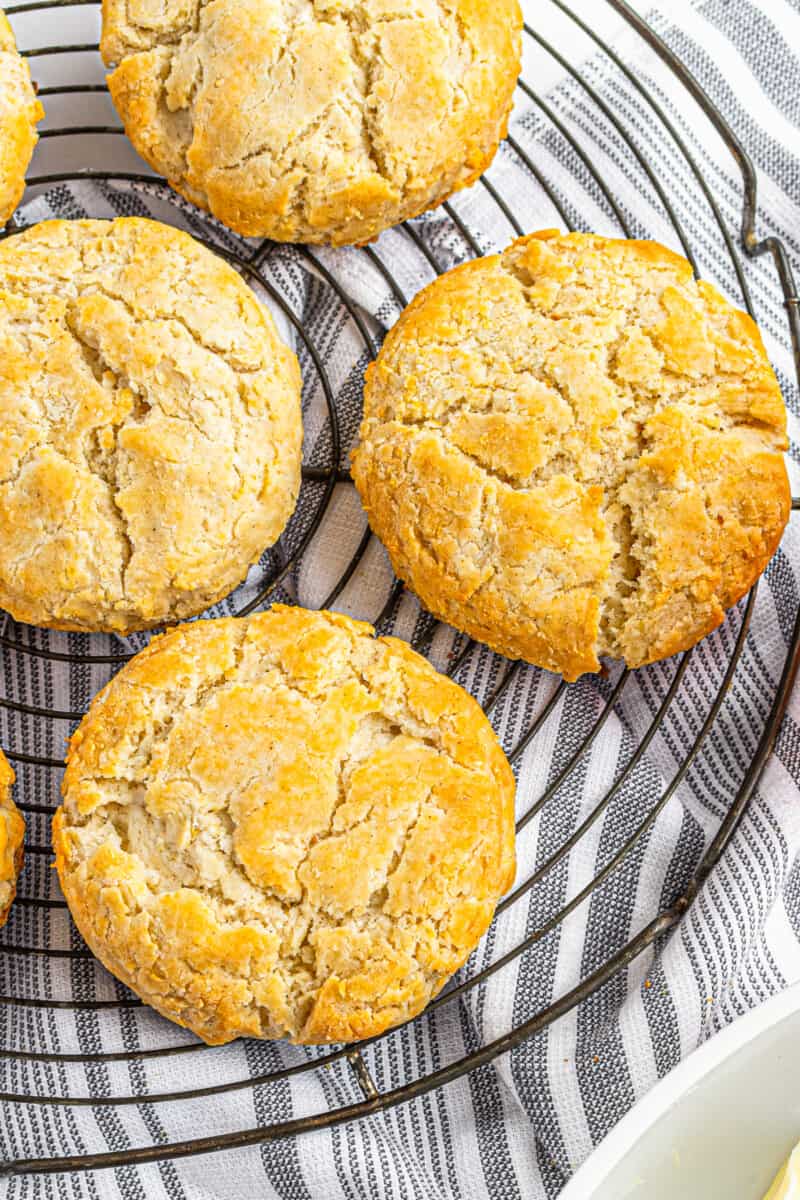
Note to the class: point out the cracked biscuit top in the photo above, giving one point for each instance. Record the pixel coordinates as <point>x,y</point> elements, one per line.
<point>281,826</point>
<point>12,837</point>
<point>314,120</point>
<point>150,430</point>
<point>19,113</point>
<point>573,449</point>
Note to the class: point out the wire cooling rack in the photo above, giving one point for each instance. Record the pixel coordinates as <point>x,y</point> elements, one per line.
<point>38,924</point>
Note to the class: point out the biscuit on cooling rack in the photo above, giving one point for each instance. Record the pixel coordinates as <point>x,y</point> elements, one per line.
<point>150,429</point>
<point>574,450</point>
<point>281,826</point>
<point>19,113</point>
<point>324,121</point>
<point>12,838</point>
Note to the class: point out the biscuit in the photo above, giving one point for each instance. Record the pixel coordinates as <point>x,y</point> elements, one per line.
<point>150,429</point>
<point>280,826</point>
<point>574,450</point>
<point>314,120</point>
<point>19,112</point>
<point>12,838</point>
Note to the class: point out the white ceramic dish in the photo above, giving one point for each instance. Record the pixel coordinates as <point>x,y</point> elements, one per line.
<point>718,1127</point>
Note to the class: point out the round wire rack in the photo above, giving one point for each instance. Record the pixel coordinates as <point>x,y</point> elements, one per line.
<point>39,930</point>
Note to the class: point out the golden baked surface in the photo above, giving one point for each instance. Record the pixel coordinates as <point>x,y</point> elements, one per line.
<point>282,827</point>
<point>573,449</point>
<point>19,112</point>
<point>12,838</point>
<point>150,431</point>
<point>314,120</point>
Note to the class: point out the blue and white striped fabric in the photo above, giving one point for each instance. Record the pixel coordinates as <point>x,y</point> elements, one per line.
<point>518,1127</point>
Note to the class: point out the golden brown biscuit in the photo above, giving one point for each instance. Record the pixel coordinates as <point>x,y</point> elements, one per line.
<point>19,112</point>
<point>150,431</point>
<point>317,120</point>
<point>12,838</point>
<point>283,827</point>
<point>573,449</point>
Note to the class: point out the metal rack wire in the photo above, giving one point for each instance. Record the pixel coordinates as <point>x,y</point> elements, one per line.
<point>38,912</point>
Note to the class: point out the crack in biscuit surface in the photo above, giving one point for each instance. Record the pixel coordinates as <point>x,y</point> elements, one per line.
<point>573,449</point>
<point>151,433</point>
<point>20,112</point>
<point>314,120</point>
<point>282,826</point>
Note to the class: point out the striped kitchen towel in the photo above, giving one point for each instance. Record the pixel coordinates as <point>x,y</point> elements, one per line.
<point>518,1126</point>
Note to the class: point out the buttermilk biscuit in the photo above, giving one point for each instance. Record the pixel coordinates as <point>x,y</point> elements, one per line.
<point>150,431</point>
<point>12,837</point>
<point>573,449</point>
<point>19,112</point>
<point>314,120</point>
<point>283,827</point>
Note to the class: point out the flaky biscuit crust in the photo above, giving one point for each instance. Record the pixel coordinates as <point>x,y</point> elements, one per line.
<point>281,826</point>
<point>19,113</point>
<point>573,449</point>
<point>314,120</point>
<point>150,430</point>
<point>12,839</point>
